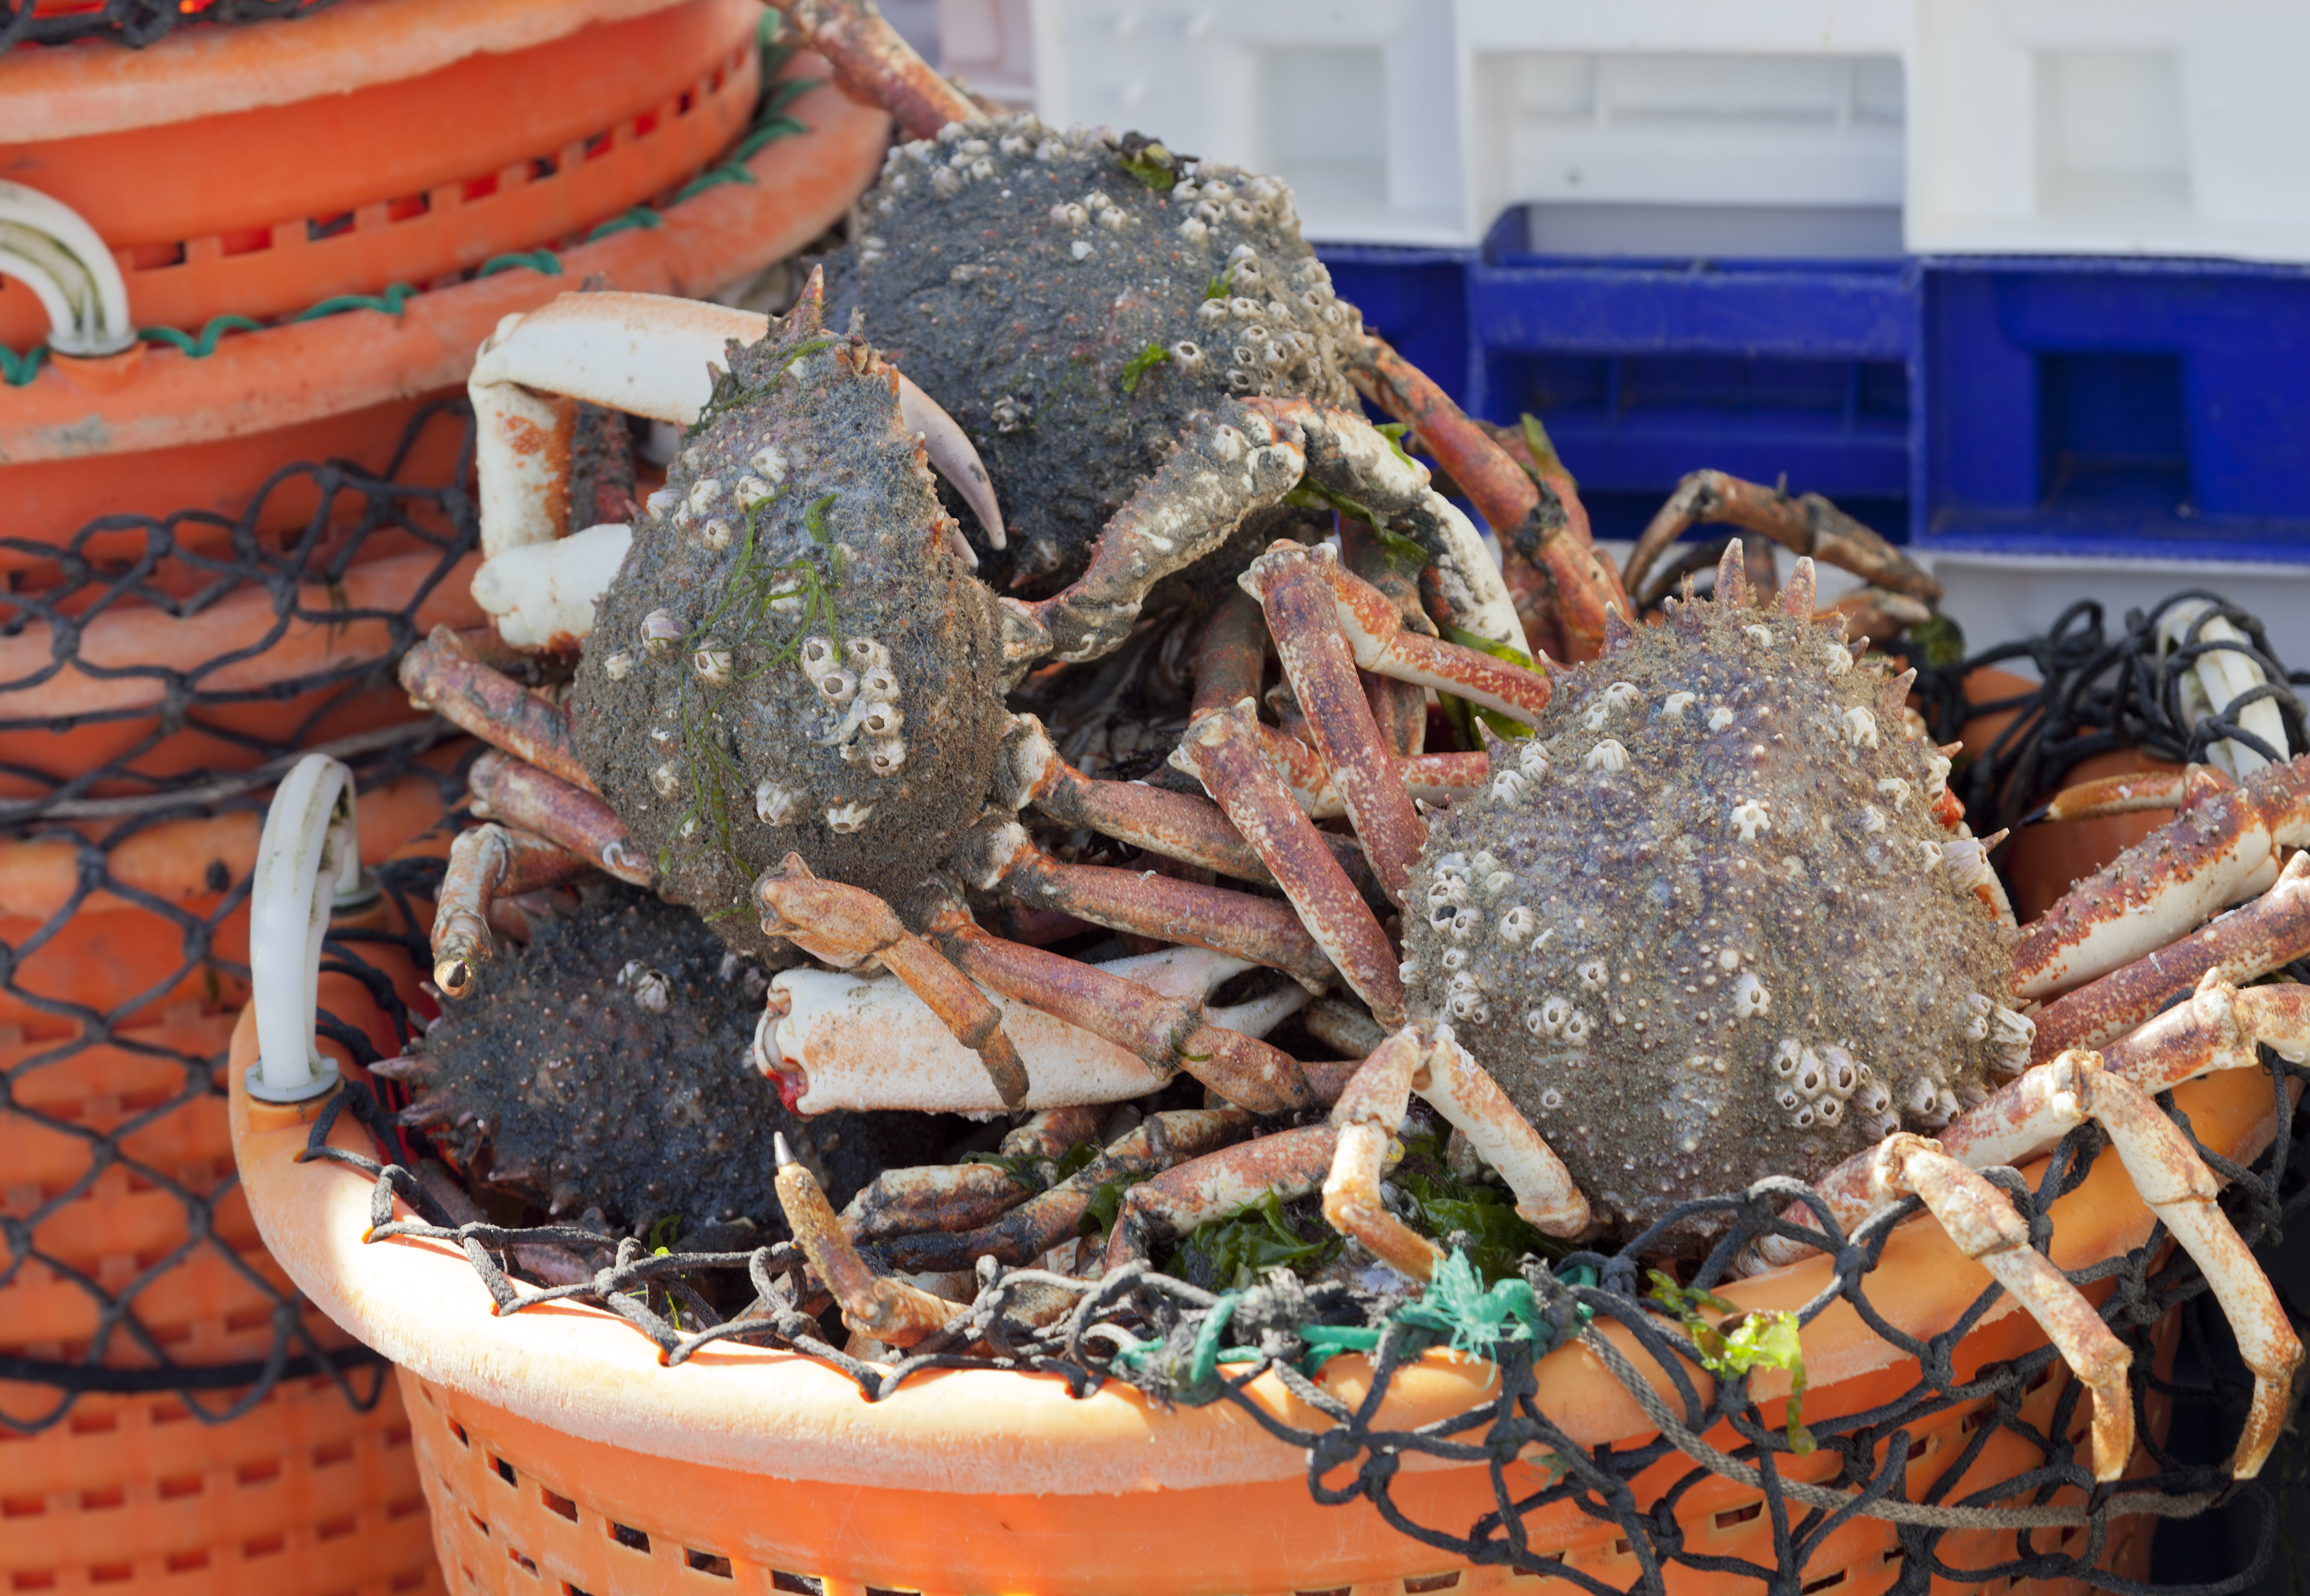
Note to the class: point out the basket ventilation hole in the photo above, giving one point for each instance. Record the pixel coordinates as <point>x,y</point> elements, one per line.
<point>33,1506</point>
<point>505,1471</point>
<point>1825,1581</point>
<point>1334,1591</point>
<point>480,1523</point>
<point>32,1579</point>
<point>556,1503</point>
<point>257,1471</point>
<point>1429,1582</point>
<point>879,1591</point>
<point>333,1452</point>
<point>570,1590</point>
<point>110,1573</point>
<point>713,1563</point>
<point>102,1497</point>
<point>415,1578</point>
<point>800,1585</point>
<point>624,1535</point>
<point>333,1528</point>
<point>1738,1515</point>
<point>185,1562</point>
<point>527,1567</point>
<point>458,1430</point>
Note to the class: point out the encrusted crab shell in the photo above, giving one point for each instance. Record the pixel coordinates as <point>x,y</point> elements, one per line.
<point>1071,300</point>
<point>1704,928</point>
<point>796,655</point>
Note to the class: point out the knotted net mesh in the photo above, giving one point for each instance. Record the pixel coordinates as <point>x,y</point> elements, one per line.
<point>158,674</point>
<point>133,23</point>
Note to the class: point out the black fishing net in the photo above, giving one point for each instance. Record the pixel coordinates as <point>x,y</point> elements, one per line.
<point>133,23</point>
<point>2098,693</point>
<point>127,1264</point>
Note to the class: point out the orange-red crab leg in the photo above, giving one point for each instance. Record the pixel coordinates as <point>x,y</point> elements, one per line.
<point>1809,525</point>
<point>1001,857</point>
<point>1541,523</point>
<point>1400,708</point>
<point>890,1311</point>
<point>441,675</point>
<point>485,863</point>
<point>868,56</point>
<point>1042,1222</point>
<point>1222,751</point>
<point>2222,847</point>
<point>1432,779</point>
<point>1375,636</point>
<point>2246,942</point>
<point>503,789</point>
<point>1983,1224</point>
<point>1370,1111</point>
<point>846,926</point>
<point>962,1197</point>
<point>1289,1164</point>
<point>1167,1033</point>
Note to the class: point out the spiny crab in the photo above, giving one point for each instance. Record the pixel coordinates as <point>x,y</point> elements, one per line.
<point>788,710</point>
<point>1718,919</point>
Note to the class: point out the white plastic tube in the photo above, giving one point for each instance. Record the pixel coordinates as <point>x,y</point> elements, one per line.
<point>308,855</point>
<point>45,244</point>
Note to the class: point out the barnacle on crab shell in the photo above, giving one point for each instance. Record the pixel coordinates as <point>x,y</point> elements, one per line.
<point>1711,931</point>
<point>610,1066</point>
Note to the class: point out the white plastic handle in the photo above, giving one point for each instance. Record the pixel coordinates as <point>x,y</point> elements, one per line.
<point>53,250</point>
<point>308,858</point>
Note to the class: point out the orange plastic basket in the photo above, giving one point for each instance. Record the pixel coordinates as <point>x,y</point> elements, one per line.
<point>156,429</point>
<point>277,207</point>
<point>120,1168</point>
<point>559,1454</point>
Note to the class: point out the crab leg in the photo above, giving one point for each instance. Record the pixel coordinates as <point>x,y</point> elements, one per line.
<point>1983,1224</point>
<point>1351,459</point>
<point>831,1040</point>
<point>1541,521</point>
<point>1400,708</point>
<point>1165,1032</point>
<point>1376,635</point>
<point>1218,474</point>
<point>503,789</point>
<point>2222,847</point>
<point>1043,1221</point>
<point>440,674</point>
<point>1322,674</point>
<point>1145,903</point>
<point>1432,779</point>
<point>1289,1164</point>
<point>2245,943</point>
<point>485,863</point>
<point>888,1309</point>
<point>845,926</point>
<point>1809,525</point>
<point>868,54</point>
<point>962,1197</point>
<point>1222,751</point>
<point>1371,1110</point>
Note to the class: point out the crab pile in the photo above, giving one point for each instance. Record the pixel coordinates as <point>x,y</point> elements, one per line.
<point>1072,427</point>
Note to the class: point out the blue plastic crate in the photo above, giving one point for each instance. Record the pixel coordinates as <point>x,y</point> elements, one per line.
<point>2098,406</point>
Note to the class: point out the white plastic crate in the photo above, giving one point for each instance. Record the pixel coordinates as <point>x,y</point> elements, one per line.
<point>2110,126</point>
<point>1420,121</point>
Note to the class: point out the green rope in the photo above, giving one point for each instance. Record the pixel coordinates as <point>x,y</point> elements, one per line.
<point>637,216</point>
<point>19,369</point>
<point>204,346</point>
<point>396,295</point>
<point>542,261</point>
<point>714,177</point>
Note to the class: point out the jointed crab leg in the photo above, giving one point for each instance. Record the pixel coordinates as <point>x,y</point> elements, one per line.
<point>889,1310</point>
<point>1983,1224</point>
<point>866,51</point>
<point>1146,904</point>
<point>846,926</point>
<point>1222,751</point>
<point>961,1197</point>
<point>1042,1222</point>
<point>503,789</point>
<point>1541,524</point>
<point>1400,708</point>
<point>1809,525</point>
<point>1168,1034</point>
<point>2222,847</point>
<point>2248,942</point>
<point>1372,1109</point>
<point>441,675</point>
<point>488,862</point>
<point>1288,1164</point>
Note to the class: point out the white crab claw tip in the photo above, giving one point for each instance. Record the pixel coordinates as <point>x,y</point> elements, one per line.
<point>779,1150</point>
<point>954,456</point>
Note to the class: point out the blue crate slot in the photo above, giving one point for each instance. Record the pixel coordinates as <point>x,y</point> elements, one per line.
<point>2104,407</point>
